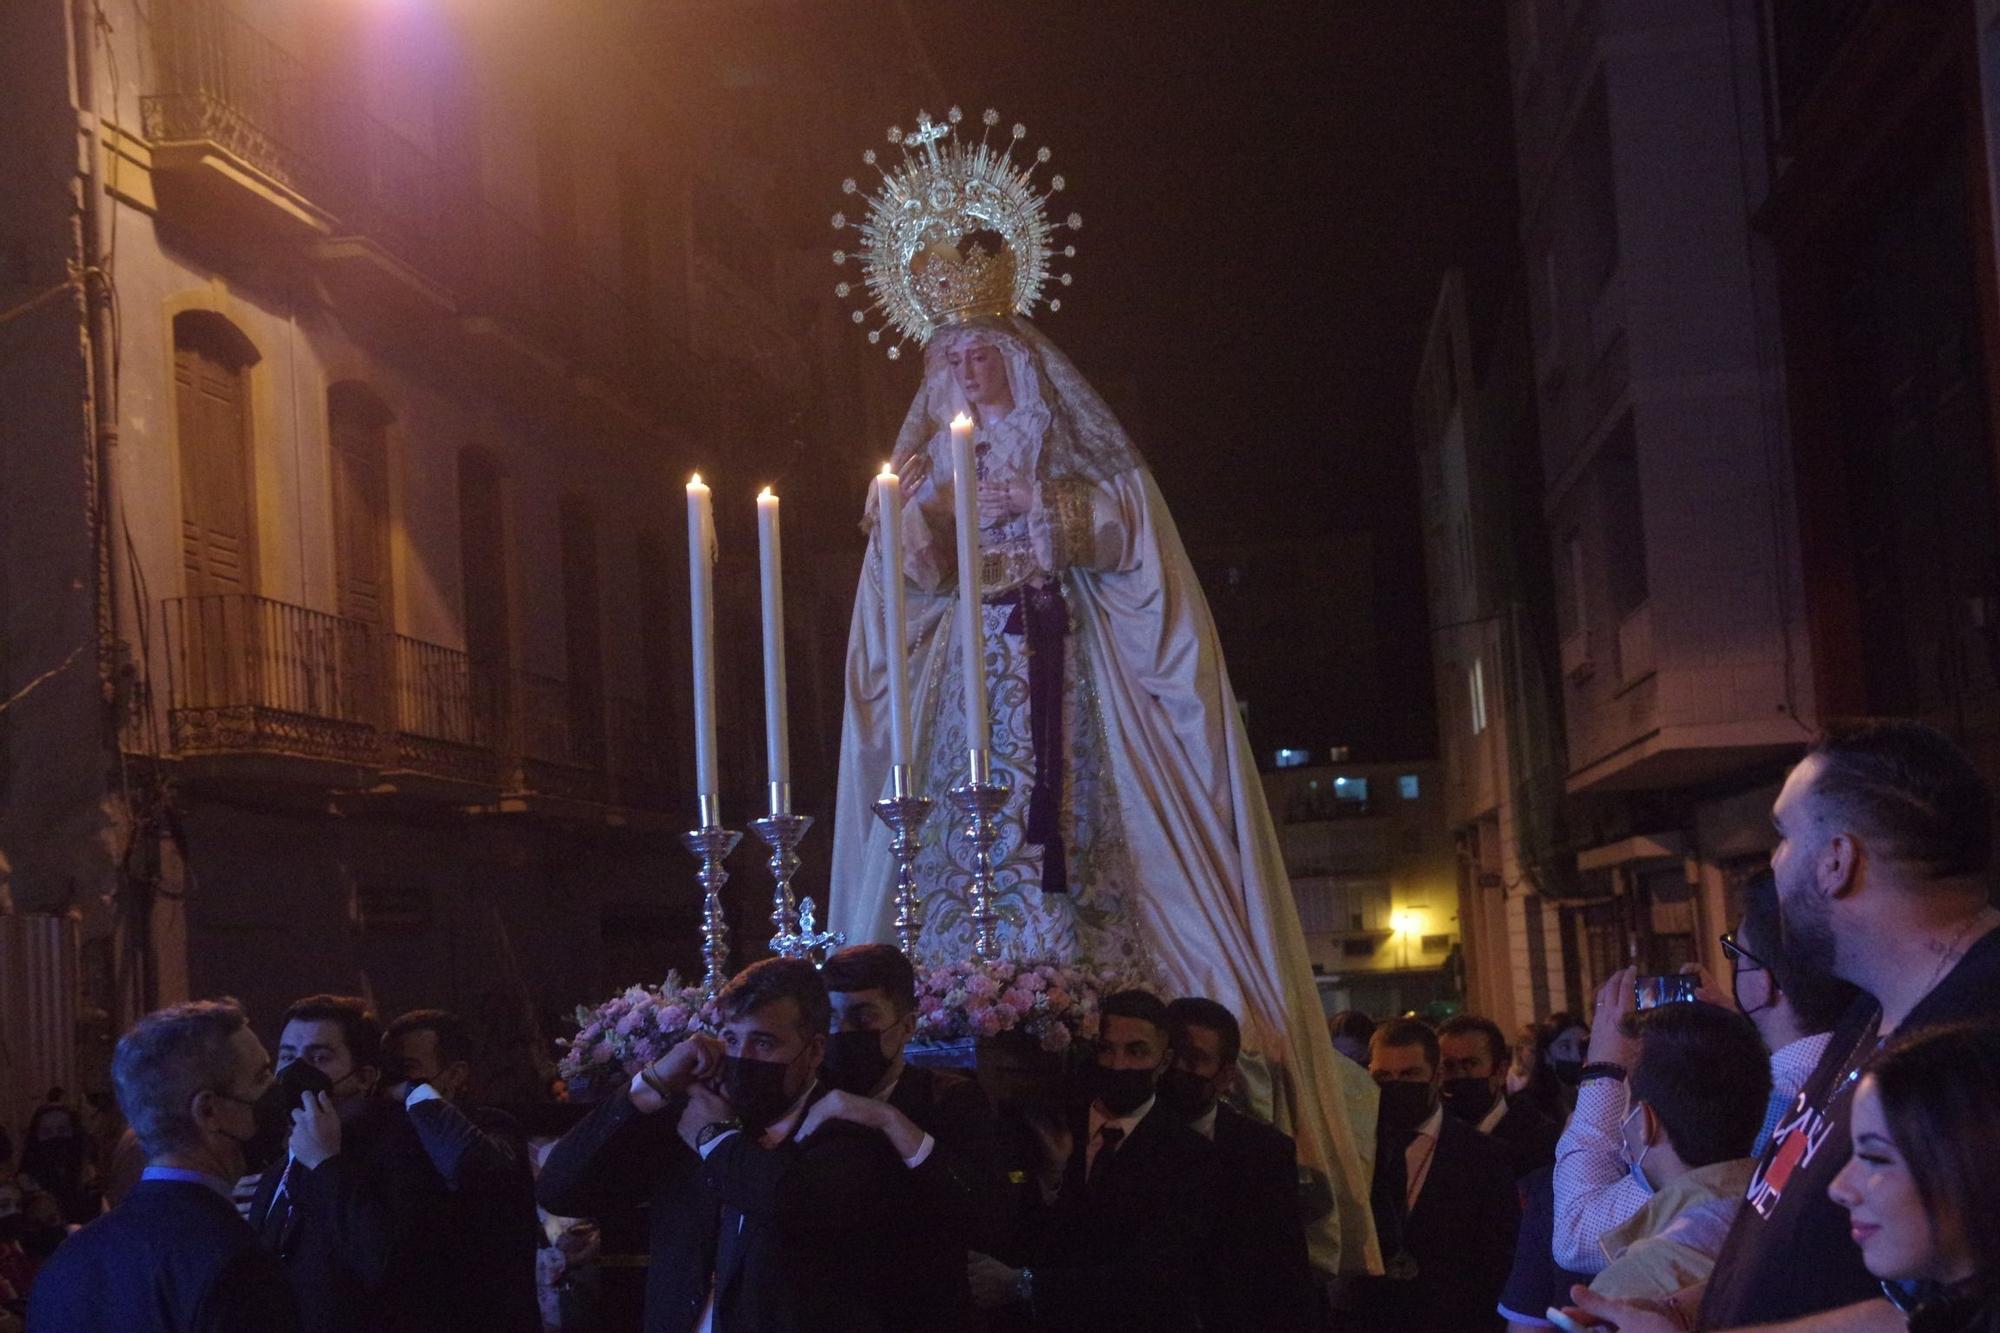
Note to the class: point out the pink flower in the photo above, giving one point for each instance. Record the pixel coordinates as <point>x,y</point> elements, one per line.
<point>1056,1038</point>
<point>630,1023</point>
<point>600,1054</point>
<point>589,1034</point>
<point>988,1023</point>
<point>1018,999</point>
<point>980,985</point>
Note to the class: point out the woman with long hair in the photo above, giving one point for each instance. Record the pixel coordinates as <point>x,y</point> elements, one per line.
<point>1922,1189</point>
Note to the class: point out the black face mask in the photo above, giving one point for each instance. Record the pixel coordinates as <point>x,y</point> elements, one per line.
<point>755,1090</point>
<point>1188,1095</point>
<point>1569,1071</point>
<point>1468,1099</point>
<point>273,1113</point>
<point>1121,1091</point>
<point>1405,1106</point>
<point>854,1062</point>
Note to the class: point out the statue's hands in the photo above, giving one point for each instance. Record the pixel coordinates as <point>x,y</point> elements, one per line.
<point>1002,500</point>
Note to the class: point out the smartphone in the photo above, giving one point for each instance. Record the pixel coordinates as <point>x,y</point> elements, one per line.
<point>1564,1322</point>
<point>1677,989</point>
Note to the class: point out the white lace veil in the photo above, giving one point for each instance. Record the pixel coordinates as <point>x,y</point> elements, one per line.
<point>1083,438</point>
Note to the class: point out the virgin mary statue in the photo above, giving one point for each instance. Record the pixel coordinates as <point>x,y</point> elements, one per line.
<point>1136,833</point>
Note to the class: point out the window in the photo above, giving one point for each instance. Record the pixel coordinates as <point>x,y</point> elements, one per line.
<point>1292,758</point>
<point>211,400</point>
<point>357,428</point>
<point>1476,682</point>
<point>1357,948</point>
<point>1407,787</point>
<point>482,563</point>
<point>1436,943</point>
<point>1351,789</point>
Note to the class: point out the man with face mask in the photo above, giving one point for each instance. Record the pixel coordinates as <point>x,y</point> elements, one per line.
<point>1476,1060</point>
<point>174,1255</point>
<point>1121,1242</point>
<point>487,1228</point>
<point>752,1228</point>
<point>1259,1277</point>
<point>933,1117</point>
<point>352,1206</point>
<point>1443,1199</point>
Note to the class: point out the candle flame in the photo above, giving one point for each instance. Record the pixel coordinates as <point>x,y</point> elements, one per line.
<point>961,422</point>
<point>695,480</point>
<point>765,494</point>
<point>886,472</point>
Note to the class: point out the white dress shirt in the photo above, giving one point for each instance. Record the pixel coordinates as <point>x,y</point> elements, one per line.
<point>1493,1117</point>
<point>1417,1158</point>
<point>1099,1122</point>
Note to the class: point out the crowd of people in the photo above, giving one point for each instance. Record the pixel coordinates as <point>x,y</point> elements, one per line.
<point>1812,1143</point>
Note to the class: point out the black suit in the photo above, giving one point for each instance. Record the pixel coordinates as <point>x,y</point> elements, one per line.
<point>488,1228</point>
<point>797,1237</point>
<point>955,1190</point>
<point>1529,1135</point>
<point>173,1257</point>
<point>1460,1235</point>
<point>1124,1251</point>
<point>1260,1278</point>
<point>362,1236</point>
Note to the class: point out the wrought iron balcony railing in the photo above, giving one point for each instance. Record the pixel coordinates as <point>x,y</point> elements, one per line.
<point>248,674</point>
<point>221,81</point>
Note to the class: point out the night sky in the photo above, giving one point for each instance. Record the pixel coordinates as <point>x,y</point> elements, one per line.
<point>1271,193</point>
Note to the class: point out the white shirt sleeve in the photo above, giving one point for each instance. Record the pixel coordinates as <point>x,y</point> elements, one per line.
<point>1594,1189</point>
<point>917,1158</point>
<point>423,1092</point>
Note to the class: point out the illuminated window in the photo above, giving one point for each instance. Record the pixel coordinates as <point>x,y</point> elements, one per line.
<point>1407,787</point>
<point>1350,789</point>
<point>1293,758</point>
<point>1476,678</point>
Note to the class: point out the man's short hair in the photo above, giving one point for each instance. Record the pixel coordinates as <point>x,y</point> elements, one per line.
<point>454,1034</point>
<point>1818,998</point>
<point>359,1027</point>
<point>1909,789</point>
<point>1707,1075</point>
<point>873,967</point>
<point>1408,1032</point>
<point>792,979</point>
<point>1472,1025</point>
<point>1352,1024</point>
<point>167,1057</point>
<point>1135,1003</point>
<point>1198,1011</point>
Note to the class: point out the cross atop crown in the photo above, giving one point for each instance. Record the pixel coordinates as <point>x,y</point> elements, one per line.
<point>928,131</point>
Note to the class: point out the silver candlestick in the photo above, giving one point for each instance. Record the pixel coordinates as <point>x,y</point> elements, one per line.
<point>979,798</point>
<point>781,831</point>
<point>905,812</point>
<point>711,842</point>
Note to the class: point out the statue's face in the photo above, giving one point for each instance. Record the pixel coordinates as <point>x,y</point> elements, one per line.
<point>981,374</point>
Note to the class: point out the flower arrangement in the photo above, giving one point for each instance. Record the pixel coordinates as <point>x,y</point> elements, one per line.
<point>632,1030</point>
<point>1054,1003</point>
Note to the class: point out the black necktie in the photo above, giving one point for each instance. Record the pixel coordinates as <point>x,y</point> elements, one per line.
<point>1108,1140</point>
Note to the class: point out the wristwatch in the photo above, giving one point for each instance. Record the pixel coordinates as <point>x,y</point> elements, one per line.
<point>708,1133</point>
<point>1602,1069</point>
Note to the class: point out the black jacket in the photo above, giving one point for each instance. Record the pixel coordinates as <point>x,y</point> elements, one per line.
<point>1260,1279</point>
<point>1127,1252</point>
<point>955,1189</point>
<point>173,1257</point>
<point>489,1229</point>
<point>803,1236</point>
<point>1529,1135</point>
<point>365,1234</point>
<point>1461,1235</point>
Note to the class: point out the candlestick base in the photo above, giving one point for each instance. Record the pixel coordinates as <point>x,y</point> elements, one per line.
<point>781,832</point>
<point>979,801</point>
<point>712,843</point>
<point>905,815</point>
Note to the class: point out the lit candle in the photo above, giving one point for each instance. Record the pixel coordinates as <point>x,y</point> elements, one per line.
<point>972,639</point>
<point>701,604</point>
<point>777,738</point>
<point>889,522</point>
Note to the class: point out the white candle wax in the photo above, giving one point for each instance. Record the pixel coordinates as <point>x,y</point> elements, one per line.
<point>777,738</point>
<point>701,604</point>
<point>889,523</point>
<point>972,639</point>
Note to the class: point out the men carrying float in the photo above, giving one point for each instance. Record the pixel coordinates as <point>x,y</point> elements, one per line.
<point>754,1226</point>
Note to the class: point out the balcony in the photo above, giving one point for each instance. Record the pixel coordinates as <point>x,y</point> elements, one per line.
<point>249,147</point>
<point>252,676</point>
<point>265,692</point>
<point>233,127</point>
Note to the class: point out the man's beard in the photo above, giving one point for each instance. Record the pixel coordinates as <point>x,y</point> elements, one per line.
<point>1807,924</point>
